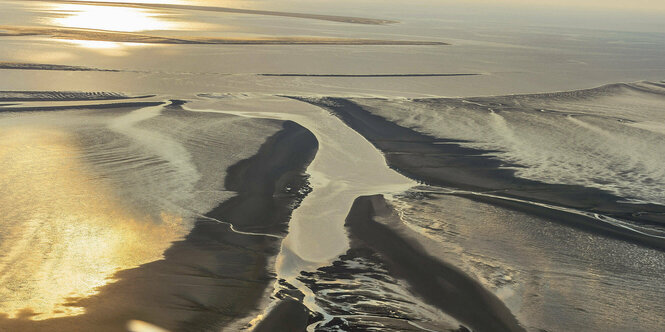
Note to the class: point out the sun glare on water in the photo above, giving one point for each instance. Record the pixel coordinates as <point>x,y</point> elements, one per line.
<point>117,17</point>
<point>170,2</point>
<point>125,19</point>
<point>64,232</point>
<point>108,48</point>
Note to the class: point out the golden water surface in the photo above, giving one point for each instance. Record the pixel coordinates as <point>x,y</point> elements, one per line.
<point>63,233</point>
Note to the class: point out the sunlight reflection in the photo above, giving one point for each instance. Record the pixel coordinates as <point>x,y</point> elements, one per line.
<point>173,2</point>
<point>126,19</point>
<point>97,44</point>
<point>64,233</point>
<point>105,47</point>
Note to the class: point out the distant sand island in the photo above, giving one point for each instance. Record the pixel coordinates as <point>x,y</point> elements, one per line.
<point>125,37</point>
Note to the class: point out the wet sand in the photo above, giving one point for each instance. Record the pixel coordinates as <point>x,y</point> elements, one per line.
<point>134,104</point>
<point>219,272</point>
<point>125,37</point>
<point>445,163</point>
<point>366,75</point>
<point>287,315</point>
<point>316,231</point>
<point>437,282</point>
<point>380,252</point>
<point>43,66</point>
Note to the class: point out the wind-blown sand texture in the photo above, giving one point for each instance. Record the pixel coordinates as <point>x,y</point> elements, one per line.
<point>445,162</point>
<point>60,96</point>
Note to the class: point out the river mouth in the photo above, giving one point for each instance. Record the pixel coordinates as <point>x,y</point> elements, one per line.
<point>171,165</point>
<point>306,230</point>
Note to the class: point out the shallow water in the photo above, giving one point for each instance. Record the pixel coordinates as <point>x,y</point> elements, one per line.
<point>86,194</point>
<point>89,193</point>
<point>551,276</point>
<point>526,57</point>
